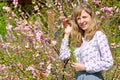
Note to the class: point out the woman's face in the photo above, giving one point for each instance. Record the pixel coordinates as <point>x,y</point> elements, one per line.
<point>84,20</point>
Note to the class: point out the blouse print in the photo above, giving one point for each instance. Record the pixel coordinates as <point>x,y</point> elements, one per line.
<point>94,54</point>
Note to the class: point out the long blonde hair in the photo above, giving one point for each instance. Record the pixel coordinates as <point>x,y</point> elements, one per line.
<point>77,32</point>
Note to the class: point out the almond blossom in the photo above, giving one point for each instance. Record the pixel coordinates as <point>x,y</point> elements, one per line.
<point>15,3</point>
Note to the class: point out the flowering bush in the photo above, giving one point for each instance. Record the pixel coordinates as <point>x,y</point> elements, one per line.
<point>30,40</point>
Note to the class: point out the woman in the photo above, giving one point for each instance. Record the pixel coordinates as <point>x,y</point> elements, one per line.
<point>92,50</point>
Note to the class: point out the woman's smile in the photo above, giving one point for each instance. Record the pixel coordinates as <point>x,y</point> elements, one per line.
<point>83,24</point>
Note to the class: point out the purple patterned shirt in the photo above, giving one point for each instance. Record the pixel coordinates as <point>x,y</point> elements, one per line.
<point>95,54</point>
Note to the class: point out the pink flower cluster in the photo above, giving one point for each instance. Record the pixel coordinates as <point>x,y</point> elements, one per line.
<point>108,10</point>
<point>114,45</point>
<point>59,6</point>
<point>3,67</point>
<point>85,0</point>
<point>96,1</point>
<point>33,69</point>
<point>8,46</point>
<point>6,8</point>
<point>119,27</point>
<point>15,3</point>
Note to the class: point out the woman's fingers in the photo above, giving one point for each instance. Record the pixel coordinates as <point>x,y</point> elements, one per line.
<point>73,64</point>
<point>78,66</point>
<point>68,29</point>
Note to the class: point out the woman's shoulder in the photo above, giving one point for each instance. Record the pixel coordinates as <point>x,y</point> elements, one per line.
<point>100,33</point>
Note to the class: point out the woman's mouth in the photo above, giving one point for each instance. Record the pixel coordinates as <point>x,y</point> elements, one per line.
<point>83,24</point>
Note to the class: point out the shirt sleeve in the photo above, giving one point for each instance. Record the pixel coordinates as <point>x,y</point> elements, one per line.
<point>64,49</point>
<point>106,59</point>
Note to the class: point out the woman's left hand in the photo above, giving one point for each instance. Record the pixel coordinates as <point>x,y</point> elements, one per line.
<point>78,66</point>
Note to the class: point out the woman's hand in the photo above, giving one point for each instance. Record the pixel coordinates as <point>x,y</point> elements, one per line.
<point>68,30</point>
<point>78,66</point>
<point>67,26</point>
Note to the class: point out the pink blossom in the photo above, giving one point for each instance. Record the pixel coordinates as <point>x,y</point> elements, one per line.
<point>48,70</point>
<point>118,44</point>
<point>26,28</point>
<point>51,58</point>
<point>103,16</point>
<point>49,12</point>
<point>36,8</point>
<point>59,6</point>
<point>107,9</point>
<point>6,74</point>
<point>54,43</point>
<point>14,79</point>
<point>19,65</point>
<point>15,3</point>
<point>85,0</point>
<point>110,15</point>
<point>33,69</point>
<point>118,10</point>
<point>97,13</point>
<point>113,45</point>
<point>41,64</point>
<point>6,8</point>
<point>13,14</point>
<point>43,40</point>
<point>96,1</point>
<point>9,27</point>
<point>49,66</point>
<point>62,18</point>
<point>68,75</point>
<point>27,45</point>
<point>119,27</point>
<point>73,5</point>
<point>2,67</point>
<point>61,11</point>
<point>17,28</point>
<point>38,35</point>
<point>8,46</point>
<point>30,68</point>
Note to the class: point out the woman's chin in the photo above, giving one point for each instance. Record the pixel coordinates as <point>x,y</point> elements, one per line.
<point>84,28</point>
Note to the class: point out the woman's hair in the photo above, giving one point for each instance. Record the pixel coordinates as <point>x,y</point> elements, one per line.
<point>77,32</point>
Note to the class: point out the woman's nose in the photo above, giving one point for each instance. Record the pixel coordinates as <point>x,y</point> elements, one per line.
<point>81,21</point>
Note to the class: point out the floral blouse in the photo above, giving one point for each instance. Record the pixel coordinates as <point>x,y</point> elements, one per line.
<point>94,54</point>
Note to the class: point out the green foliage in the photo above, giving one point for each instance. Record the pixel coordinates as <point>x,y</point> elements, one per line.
<point>28,8</point>
<point>117,4</point>
<point>72,49</point>
<point>72,58</point>
<point>117,51</point>
<point>3,19</point>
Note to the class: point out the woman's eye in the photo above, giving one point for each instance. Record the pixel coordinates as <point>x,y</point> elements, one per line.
<point>78,18</point>
<point>84,17</point>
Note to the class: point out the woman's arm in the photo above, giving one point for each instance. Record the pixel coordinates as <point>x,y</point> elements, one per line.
<point>64,48</point>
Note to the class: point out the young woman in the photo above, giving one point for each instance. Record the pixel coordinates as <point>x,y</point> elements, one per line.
<point>92,50</point>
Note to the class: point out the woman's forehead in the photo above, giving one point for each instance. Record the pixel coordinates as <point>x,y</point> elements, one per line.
<point>80,12</point>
